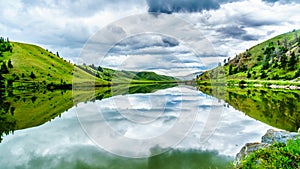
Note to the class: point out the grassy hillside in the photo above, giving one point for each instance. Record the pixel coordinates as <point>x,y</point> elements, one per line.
<point>35,66</point>
<point>127,77</point>
<point>275,59</point>
<point>26,65</point>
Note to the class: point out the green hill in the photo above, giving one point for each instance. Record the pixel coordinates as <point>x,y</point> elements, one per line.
<point>275,59</point>
<point>151,76</point>
<point>35,66</point>
<point>117,76</point>
<point>30,66</point>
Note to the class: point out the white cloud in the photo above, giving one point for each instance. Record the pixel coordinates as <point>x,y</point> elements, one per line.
<point>62,26</point>
<point>152,52</point>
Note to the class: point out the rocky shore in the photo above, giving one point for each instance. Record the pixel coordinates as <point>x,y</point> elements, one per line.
<point>271,137</point>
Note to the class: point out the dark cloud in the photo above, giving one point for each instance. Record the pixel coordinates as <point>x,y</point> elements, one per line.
<point>134,44</point>
<point>232,31</point>
<point>250,37</point>
<point>281,1</point>
<point>171,6</point>
<point>251,21</point>
<point>236,32</point>
<point>270,1</point>
<point>170,41</point>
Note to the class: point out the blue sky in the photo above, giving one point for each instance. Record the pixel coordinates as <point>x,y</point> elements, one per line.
<point>230,26</point>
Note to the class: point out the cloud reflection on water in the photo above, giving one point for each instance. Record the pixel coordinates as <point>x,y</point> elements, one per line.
<point>63,142</point>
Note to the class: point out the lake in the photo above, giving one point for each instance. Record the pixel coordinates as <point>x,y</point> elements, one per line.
<point>144,126</point>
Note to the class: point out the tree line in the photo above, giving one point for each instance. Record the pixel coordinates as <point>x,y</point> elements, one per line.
<point>4,46</point>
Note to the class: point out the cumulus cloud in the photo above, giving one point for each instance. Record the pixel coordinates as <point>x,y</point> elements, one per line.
<point>140,42</point>
<point>153,52</point>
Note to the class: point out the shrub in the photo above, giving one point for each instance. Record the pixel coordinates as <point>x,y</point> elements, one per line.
<point>248,74</point>
<point>275,77</point>
<point>297,74</point>
<point>4,69</point>
<point>32,75</point>
<point>242,82</point>
<point>263,75</point>
<point>278,155</point>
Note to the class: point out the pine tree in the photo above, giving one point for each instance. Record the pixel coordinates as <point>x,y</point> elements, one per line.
<point>230,70</point>
<point>100,69</point>
<point>248,74</point>
<point>283,61</point>
<point>32,75</point>
<point>296,37</point>
<point>292,61</point>
<point>263,75</point>
<point>2,85</point>
<point>9,64</point>
<point>4,69</point>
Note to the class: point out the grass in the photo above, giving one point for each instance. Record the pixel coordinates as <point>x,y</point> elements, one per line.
<point>128,77</point>
<point>258,64</point>
<point>46,66</point>
<point>278,155</point>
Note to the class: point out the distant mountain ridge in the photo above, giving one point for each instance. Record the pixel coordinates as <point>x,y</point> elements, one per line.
<point>190,76</point>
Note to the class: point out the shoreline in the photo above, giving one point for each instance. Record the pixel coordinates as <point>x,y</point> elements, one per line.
<point>253,83</point>
<point>273,86</point>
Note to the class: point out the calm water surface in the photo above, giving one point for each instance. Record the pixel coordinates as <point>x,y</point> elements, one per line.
<point>214,133</point>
